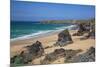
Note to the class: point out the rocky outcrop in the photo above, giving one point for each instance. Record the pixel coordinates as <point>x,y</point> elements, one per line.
<point>86,28</point>
<point>82,28</point>
<point>59,53</point>
<point>89,56</point>
<point>53,56</point>
<point>36,48</point>
<point>64,38</point>
<point>91,34</point>
<point>34,51</point>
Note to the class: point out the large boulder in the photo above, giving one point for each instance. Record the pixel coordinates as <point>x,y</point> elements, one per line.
<point>91,34</point>
<point>36,48</point>
<point>82,28</point>
<point>64,38</point>
<point>33,51</point>
<point>88,56</point>
<point>59,53</point>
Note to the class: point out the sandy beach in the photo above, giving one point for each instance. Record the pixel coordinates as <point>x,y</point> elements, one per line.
<point>47,41</point>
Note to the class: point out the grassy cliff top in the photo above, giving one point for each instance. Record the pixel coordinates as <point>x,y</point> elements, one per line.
<point>68,21</point>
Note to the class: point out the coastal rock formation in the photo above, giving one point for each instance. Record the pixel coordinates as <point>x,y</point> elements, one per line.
<point>59,53</point>
<point>71,53</point>
<point>34,51</point>
<point>91,34</point>
<point>64,38</point>
<point>53,56</point>
<point>36,48</point>
<point>89,56</point>
<point>82,28</point>
<point>86,28</point>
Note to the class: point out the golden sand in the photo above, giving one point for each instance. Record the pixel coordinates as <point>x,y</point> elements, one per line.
<point>18,46</point>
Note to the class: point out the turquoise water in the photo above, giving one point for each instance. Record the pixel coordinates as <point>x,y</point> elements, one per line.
<point>27,29</point>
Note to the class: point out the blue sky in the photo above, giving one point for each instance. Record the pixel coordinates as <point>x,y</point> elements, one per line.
<point>36,11</point>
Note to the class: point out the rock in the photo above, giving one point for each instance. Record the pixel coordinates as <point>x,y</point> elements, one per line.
<point>83,28</point>
<point>59,53</point>
<point>34,51</point>
<point>64,38</point>
<point>13,59</point>
<point>17,59</point>
<point>36,48</point>
<point>89,56</point>
<point>86,28</point>
<point>70,54</point>
<point>91,34</point>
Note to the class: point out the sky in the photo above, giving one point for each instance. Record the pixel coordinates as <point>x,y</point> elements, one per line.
<point>37,11</point>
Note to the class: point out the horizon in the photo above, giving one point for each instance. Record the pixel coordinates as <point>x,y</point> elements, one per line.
<point>38,11</point>
<point>52,20</point>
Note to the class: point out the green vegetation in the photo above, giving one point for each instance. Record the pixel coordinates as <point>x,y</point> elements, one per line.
<point>68,21</point>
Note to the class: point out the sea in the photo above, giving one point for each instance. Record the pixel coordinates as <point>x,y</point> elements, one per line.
<point>25,30</point>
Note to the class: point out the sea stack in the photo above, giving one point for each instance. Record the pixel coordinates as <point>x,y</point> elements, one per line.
<point>64,38</point>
